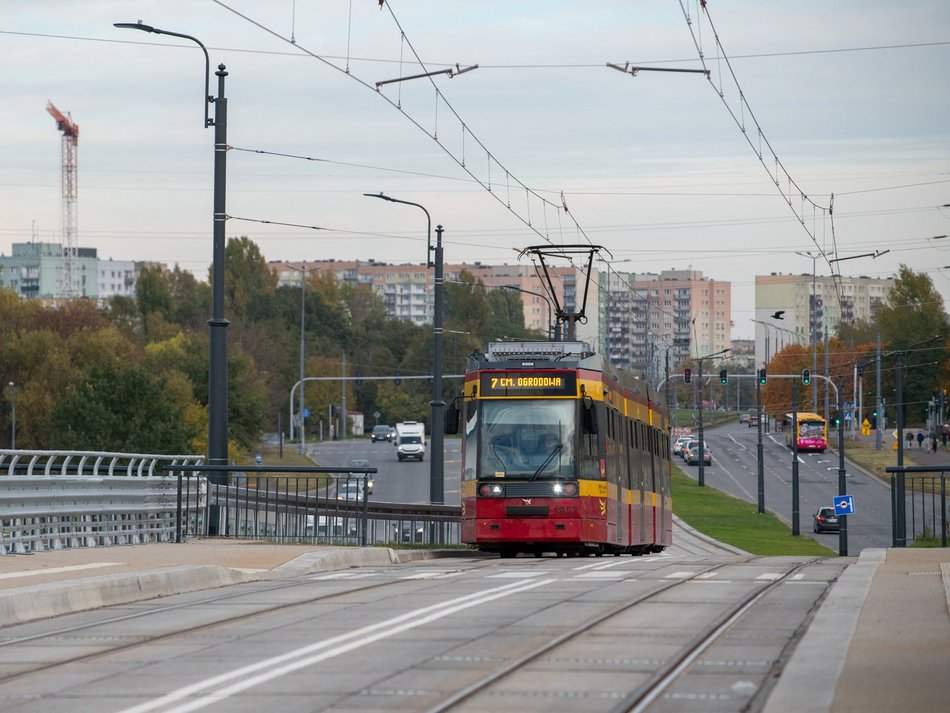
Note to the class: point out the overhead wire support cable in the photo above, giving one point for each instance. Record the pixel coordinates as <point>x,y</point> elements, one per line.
<point>485,182</point>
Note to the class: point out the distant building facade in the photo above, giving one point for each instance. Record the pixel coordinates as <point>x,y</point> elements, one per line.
<point>117,278</point>
<point>651,317</point>
<point>407,289</point>
<point>38,270</point>
<point>797,309</point>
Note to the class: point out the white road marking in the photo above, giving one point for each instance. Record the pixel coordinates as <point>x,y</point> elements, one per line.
<point>518,574</point>
<point>601,575</point>
<point>769,577</point>
<point>58,570</point>
<point>255,674</point>
<point>344,575</point>
<point>707,575</point>
<point>684,574</point>
<point>436,574</point>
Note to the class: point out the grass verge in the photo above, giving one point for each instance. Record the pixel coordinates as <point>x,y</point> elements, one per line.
<point>736,521</point>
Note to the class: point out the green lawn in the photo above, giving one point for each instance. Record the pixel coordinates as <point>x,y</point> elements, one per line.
<point>736,521</point>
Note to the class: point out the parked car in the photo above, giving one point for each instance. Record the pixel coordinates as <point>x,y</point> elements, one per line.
<point>744,418</point>
<point>382,433</point>
<point>826,520</point>
<point>692,456</point>
<point>753,421</point>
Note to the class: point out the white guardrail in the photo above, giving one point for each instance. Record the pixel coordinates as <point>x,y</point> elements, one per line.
<point>59,499</point>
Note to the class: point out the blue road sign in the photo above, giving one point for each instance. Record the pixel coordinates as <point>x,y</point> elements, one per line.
<point>306,413</point>
<point>258,459</point>
<point>844,505</point>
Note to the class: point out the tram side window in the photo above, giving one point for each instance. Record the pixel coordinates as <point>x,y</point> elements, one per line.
<point>589,455</point>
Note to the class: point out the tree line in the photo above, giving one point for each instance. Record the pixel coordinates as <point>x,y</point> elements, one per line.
<point>132,374</point>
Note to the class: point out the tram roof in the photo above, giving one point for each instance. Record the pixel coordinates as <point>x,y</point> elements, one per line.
<point>559,354</point>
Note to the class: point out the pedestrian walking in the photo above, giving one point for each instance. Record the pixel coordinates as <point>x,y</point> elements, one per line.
<point>910,439</point>
<point>943,437</point>
<point>920,439</point>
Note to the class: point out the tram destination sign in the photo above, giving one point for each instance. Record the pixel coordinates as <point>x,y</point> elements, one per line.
<point>528,383</point>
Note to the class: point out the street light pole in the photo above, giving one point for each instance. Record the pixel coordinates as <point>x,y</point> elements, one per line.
<point>12,385</point>
<point>813,319</point>
<point>436,405</point>
<point>303,289</point>
<point>218,357</point>
<point>702,445</point>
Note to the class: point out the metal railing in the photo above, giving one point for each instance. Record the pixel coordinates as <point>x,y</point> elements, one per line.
<point>921,490</point>
<point>59,499</point>
<point>311,504</point>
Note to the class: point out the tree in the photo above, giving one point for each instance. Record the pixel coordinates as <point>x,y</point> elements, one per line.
<point>152,296</point>
<point>249,284</point>
<point>116,405</point>
<point>914,325</point>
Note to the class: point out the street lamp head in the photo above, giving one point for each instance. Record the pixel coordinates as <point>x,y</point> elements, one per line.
<point>380,195</point>
<point>148,28</point>
<point>136,26</point>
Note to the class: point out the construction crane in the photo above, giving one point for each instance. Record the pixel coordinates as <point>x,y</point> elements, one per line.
<point>69,282</point>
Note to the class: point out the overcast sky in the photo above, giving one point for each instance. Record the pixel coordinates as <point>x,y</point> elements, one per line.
<point>851,97</point>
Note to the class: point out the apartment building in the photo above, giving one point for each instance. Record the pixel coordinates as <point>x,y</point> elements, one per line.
<point>673,314</point>
<point>797,309</point>
<point>407,289</point>
<point>38,270</point>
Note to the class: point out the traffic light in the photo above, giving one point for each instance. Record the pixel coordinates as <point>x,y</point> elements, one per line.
<point>687,374</point>
<point>836,420</point>
<point>762,376</point>
<point>723,376</point>
<point>806,377</point>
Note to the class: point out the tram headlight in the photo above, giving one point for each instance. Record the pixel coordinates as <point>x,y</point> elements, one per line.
<point>564,489</point>
<point>491,490</point>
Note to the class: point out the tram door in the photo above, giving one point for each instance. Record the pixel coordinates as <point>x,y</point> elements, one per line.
<point>646,517</point>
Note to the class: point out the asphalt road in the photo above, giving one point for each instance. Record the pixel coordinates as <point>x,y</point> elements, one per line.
<point>734,470</point>
<point>395,481</point>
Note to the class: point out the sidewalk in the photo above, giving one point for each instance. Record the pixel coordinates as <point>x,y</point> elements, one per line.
<point>880,641</point>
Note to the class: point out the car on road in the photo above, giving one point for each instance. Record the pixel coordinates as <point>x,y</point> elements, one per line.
<point>826,520</point>
<point>357,475</point>
<point>679,444</point>
<point>692,456</point>
<point>349,490</point>
<point>744,418</point>
<point>382,433</point>
<point>753,421</point>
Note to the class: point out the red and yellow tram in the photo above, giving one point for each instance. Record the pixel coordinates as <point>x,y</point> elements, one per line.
<point>561,453</point>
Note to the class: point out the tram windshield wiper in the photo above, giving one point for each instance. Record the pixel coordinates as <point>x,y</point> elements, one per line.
<point>554,452</point>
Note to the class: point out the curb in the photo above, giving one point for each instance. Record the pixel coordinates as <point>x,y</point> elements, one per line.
<point>48,600</point>
<point>811,675</point>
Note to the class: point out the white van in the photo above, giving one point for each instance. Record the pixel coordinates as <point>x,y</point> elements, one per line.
<point>410,440</point>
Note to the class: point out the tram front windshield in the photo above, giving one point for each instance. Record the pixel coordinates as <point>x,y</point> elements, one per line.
<point>530,438</point>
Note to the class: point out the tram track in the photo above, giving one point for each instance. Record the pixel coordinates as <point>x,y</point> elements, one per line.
<point>642,697</point>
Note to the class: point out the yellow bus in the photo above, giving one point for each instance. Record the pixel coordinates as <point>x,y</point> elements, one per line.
<point>811,430</point>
